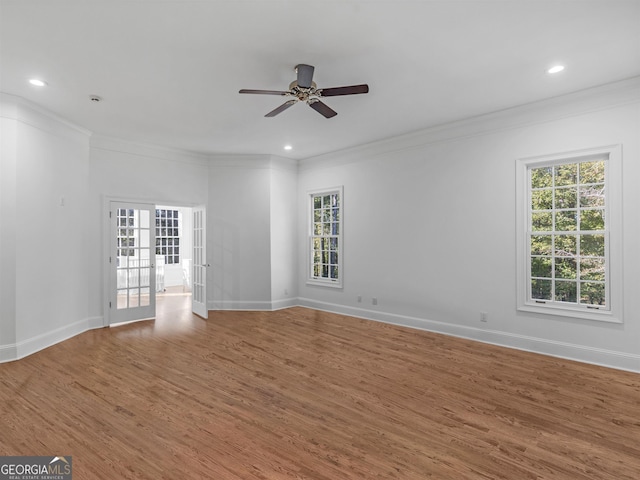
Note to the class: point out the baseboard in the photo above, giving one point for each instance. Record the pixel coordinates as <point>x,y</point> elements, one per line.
<point>95,322</point>
<point>284,303</point>
<point>580,353</point>
<point>44,340</point>
<point>569,351</point>
<point>255,306</point>
<point>239,305</point>
<point>8,353</point>
<point>34,344</point>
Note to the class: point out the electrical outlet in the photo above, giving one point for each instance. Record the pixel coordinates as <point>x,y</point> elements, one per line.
<point>359,298</point>
<point>483,316</point>
<point>374,301</point>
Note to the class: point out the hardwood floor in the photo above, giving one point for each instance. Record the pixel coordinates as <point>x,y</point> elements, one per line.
<point>302,394</point>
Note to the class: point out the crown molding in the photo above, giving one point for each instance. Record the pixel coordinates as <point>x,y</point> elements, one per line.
<point>19,109</point>
<point>101,142</point>
<point>586,101</point>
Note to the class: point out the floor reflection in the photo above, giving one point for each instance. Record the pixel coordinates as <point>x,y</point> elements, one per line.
<point>173,316</point>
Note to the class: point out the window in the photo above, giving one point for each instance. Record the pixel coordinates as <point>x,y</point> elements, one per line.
<point>168,230</point>
<point>568,248</point>
<point>127,233</point>
<point>325,237</point>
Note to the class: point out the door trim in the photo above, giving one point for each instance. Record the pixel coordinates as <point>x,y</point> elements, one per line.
<point>139,272</point>
<point>199,262</point>
<point>105,238</point>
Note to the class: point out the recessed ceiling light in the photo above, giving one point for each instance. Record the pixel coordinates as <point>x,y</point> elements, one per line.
<point>288,147</point>
<point>37,82</point>
<point>556,69</point>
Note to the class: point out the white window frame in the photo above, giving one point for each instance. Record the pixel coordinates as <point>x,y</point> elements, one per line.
<point>613,233</point>
<point>311,279</point>
<point>169,238</point>
<point>127,235</point>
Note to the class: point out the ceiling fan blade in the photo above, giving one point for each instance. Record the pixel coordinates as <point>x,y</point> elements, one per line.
<point>350,90</point>
<point>281,108</point>
<point>305,75</point>
<point>323,108</point>
<point>263,92</point>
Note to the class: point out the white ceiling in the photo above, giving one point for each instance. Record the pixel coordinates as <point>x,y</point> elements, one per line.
<point>169,71</point>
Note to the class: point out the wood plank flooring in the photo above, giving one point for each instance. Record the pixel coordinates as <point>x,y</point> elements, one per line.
<point>302,394</point>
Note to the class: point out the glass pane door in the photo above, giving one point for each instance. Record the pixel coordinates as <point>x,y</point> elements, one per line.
<point>132,262</point>
<point>199,278</point>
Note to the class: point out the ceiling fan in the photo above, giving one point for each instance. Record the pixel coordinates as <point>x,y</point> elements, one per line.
<point>304,89</point>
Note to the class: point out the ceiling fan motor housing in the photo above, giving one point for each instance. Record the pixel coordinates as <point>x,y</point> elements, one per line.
<point>304,89</point>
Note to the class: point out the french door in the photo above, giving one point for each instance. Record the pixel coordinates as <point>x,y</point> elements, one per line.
<point>199,277</point>
<point>132,262</point>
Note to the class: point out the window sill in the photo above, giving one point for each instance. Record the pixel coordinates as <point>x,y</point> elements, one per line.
<point>324,283</point>
<point>580,313</point>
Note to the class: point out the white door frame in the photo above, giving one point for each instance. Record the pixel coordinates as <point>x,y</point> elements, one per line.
<point>199,263</point>
<point>106,240</point>
<point>133,274</point>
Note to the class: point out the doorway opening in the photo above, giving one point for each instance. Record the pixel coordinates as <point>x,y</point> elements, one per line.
<point>174,259</point>
<point>151,262</point>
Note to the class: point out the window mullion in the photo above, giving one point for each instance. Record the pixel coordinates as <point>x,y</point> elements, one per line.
<point>325,256</point>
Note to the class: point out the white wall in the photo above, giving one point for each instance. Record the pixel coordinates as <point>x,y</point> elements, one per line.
<point>238,232</point>
<point>429,225</point>
<point>44,210</point>
<point>284,222</point>
<point>141,173</point>
<point>237,193</point>
<point>8,185</point>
